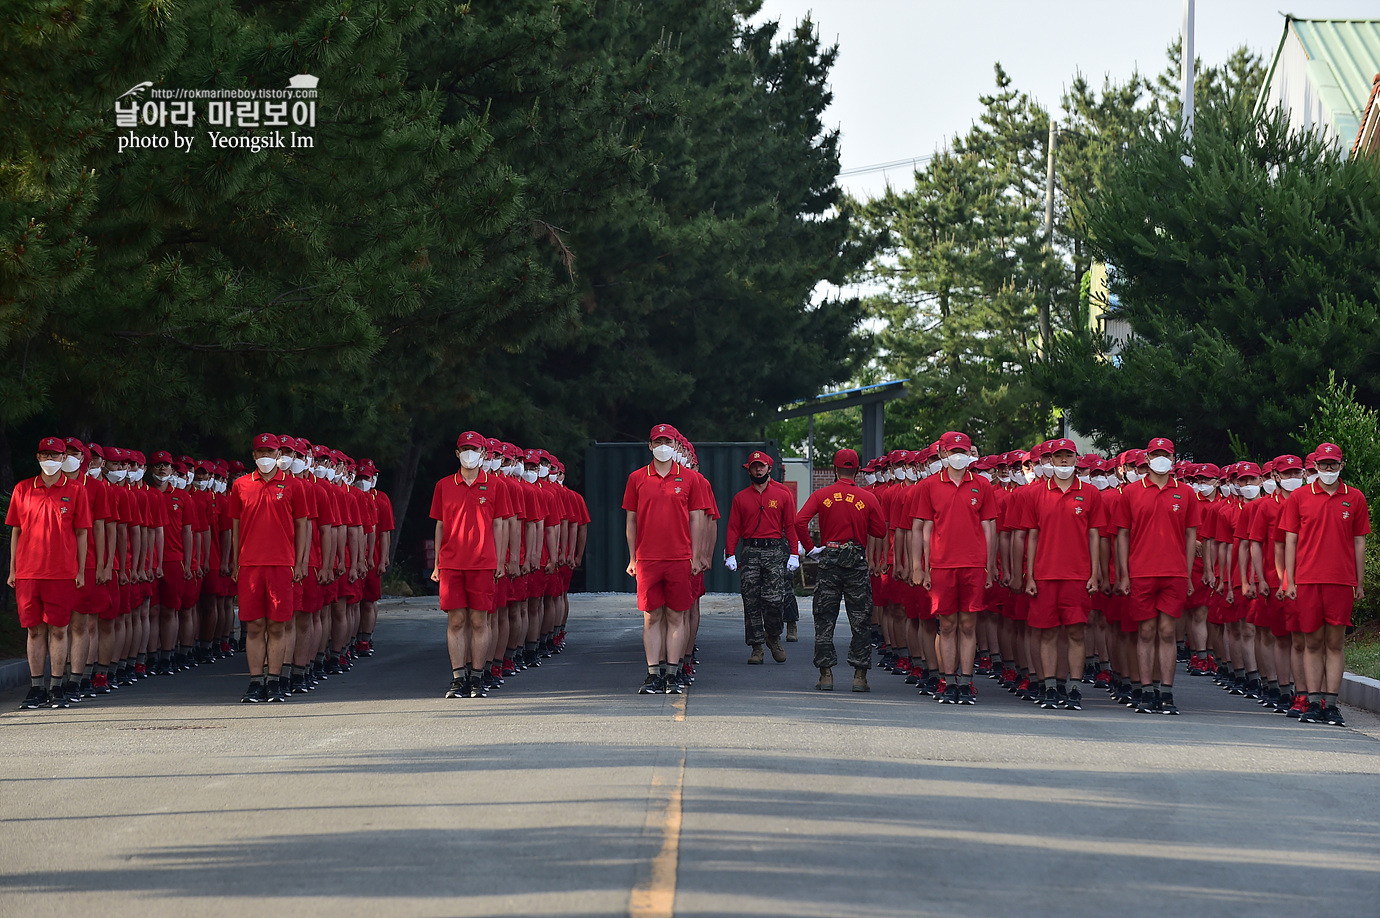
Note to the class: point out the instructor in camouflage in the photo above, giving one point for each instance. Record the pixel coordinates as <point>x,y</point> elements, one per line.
<point>761,546</point>
<point>850,527</point>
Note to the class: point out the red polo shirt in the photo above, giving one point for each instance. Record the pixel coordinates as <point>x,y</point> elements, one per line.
<point>466,511</point>
<point>663,506</point>
<point>1263,527</point>
<point>177,512</point>
<point>1159,520</point>
<point>768,514</point>
<point>102,511</point>
<point>268,511</point>
<point>1063,519</point>
<point>958,510</point>
<point>48,520</point>
<point>1327,525</point>
<point>847,513</point>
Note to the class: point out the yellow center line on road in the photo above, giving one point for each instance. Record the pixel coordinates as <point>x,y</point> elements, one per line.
<point>655,897</point>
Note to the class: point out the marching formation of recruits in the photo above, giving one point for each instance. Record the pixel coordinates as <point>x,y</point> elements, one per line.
<point>121,575</point>
<point>509,535</point>
<point>1046,570</point>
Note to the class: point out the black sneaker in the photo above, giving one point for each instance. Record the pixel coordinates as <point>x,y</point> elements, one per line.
<point>1133,700</point>
<point>1089,674</point>
<point>37,698</point>
<point>57,698</point>
<point>255,694</point>
<point>296,684</point>
<point>1148,704</point>
<point>948,696</point>
<point>85,689</point>
<point>1075,700</point>
<point>913,677</point>
<point>966,696</point>
<point>649,686</point>
<point>477,689</point>
<point>1333,715</point>
<point>458,689</point>
<point>1252,688</point>
<point>1063,695</point>
<point>332,666</point>
<point>1167,705</point>
<point>1050,701</point>
<point>276,694</point>
<point>929,686</point>
<point>1313,715</point>
<point>674,685</point>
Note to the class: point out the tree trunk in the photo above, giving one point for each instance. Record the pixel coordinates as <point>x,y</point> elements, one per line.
<point>404,478</point>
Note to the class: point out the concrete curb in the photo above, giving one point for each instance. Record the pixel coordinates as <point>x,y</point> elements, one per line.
<point>1360,692</point>
<point>13,673</point>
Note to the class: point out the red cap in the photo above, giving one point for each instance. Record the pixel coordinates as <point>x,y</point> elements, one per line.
<point>74,443</point>
<point>1054,446</point>
<point>186,460</point>
<point>985,464</point>
<point>531,456</point>
<point>1016,457</point>
<point>1136,458</point>
<point>663,430</point>
<point>846,459</point>
<point>1329,451</point>
<point>136,457</point>
<point>52,445</point>
<point>288,442</point>
<point>98,450</point>
<point>304,446</point>
<point>956,440</point>
<point>1288,463</point>
<point>759,456</point>
<point>162,456</point>
<point>1247,470</point>
<point>222,468</point>
<point>1159,443</point>
<point>234,467</point>
<point>510,451</point>
<point>1267,467</point>
<point>267,441</point>
<point>321,451</point>
<point>471,440</point>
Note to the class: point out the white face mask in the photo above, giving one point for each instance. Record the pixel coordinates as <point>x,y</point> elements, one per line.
<point>544,471</point>
<point>912,473</point>
<point>1269,486</point>
<point>1044,470</point>
<point>470,458</point>
<point>1161,465</point>
<point>298,465</point>
<point>136,475</point>
<point>1291,484</point>
<point>50,466</point>
<point>987,475</point>
<point>934,467</point>
<point>284,462</point>
<point>1329,478</point>
<point>266,464</point>
<point>220,487</point>
<point>529,476</point>
<point>663,453</point>
<point>366,484</point>
<point>1250,492</point>
<point>959,461</point>
<point>318,470</point>
<point>1086,479</point>
<point>71,463</point>
<point>331,474</point>
<point>160,478</point>
<point>1132,476</point>
<point>94,472</point>
<point>117,475</point>
<point>1003,474</point>
<point>1311,477</point>
<point>1063,472</point>
<point>1099,482</point>
<point>1028,476</point>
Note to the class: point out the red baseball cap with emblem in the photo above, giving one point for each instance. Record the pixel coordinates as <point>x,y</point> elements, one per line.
<point>1247,470</point>
<point>533,456</point>
<point>1159,444</point>
<point>74,443</point>
<point>267,441</point>
<point>136,457</point>
<point>1288,463</point>
<point>1328,451</point>
<point>1016,457</point>
<point>52,445</point>
<point>162,456</point>
<point>234,466</point>
<point>759,456</point>
<point>471,440</point>
<point>846,459</point>
<point>663,430</point>
<point>953,439</point>
<point>1136,458</point>
<point>222,468</point>
<point>1054,446</point>
<point>97,450</point>
<point>289,443</point>
<point>985,464</point>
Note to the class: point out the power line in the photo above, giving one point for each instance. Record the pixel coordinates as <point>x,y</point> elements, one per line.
<point>882,167</point>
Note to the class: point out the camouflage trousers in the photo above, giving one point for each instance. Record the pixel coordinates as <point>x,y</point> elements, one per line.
<point>762,581</point>
<point>843,575</point>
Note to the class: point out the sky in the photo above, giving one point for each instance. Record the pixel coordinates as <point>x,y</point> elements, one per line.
<point>909,72</point>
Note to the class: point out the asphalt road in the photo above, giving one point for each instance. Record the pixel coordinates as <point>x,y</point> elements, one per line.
<point>568,794</point>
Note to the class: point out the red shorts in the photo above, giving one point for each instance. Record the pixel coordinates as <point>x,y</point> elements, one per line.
<point>664,583</point>
<point>112,601</point>
<point>1060,602</point>
<point>1324,604</point>
<point>467,590</point>
<point>311,593</point>
<point>373,587</point>
<point>172,587</point>
<point>126,601</point>
<point>1111,608</point>
<point>1289,616</point>
<point>265,589</point>
<point>916,602</point>
<point>555,584</point>
<point>696,586</point>
<point>991,598</point>
<point>1020,606</point>
<point>877,598</point>
<point>957,589</point>
<point>517,589</point>
<point>500,592</point>
<point>354,592</point>
<point>299,596</point>
<point>1151,596</point>
<point>94,598</point>
<point>567,574</point>
<point>46,602</point>
<point>191,592</point>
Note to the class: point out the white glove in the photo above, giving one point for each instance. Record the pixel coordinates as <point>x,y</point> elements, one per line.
<point>816,551</point>
<point>793,563</point>
<point>731,562</point>
<point>800,548</point>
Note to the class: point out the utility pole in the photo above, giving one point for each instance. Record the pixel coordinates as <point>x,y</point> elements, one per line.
<point>1186,71</point>
<point>1049,232</point>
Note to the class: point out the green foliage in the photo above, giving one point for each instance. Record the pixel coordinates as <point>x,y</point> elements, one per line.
<point>1244,277</point>
<point>1339,418</point>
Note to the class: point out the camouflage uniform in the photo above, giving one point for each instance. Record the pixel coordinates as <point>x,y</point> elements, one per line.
<point>762,579</point>
<point>843,574</point>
